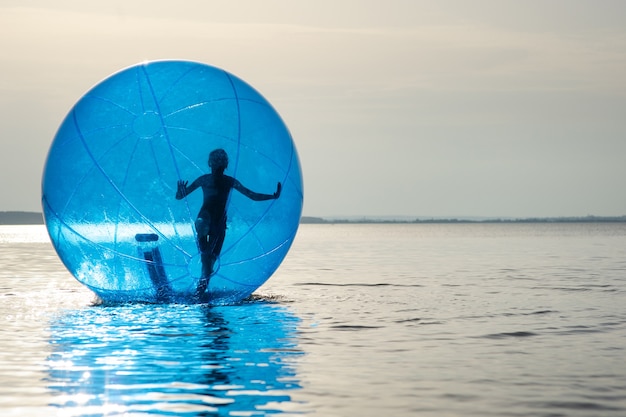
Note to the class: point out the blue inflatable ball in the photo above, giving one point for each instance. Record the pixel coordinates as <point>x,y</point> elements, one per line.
<point>172,181</point>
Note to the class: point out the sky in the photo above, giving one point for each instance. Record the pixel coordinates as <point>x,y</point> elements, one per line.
<point>446,108</point>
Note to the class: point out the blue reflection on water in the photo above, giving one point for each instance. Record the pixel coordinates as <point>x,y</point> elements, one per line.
<point>182,360</point>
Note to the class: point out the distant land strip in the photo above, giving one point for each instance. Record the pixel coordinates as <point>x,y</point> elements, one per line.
<point>27,217</point>
<point>20,217</point>
<point>373,220</point>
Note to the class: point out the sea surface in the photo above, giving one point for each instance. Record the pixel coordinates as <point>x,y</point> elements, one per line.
<point>360,320</point>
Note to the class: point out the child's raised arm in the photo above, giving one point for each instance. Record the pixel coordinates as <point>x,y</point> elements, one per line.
<point>257,196</point>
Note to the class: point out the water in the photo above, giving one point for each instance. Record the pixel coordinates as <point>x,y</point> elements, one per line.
<point>360,320</point>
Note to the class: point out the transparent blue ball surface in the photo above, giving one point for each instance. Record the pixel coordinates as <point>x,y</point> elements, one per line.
<point>110,181</point>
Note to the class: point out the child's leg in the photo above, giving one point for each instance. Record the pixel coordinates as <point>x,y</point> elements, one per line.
<point>202,230</point>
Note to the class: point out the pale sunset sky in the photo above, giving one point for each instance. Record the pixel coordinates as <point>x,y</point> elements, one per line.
<point>418,108</point>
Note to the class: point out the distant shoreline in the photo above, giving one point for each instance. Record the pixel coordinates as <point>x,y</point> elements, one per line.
<point>27,217</point>
<point>20,217</point>
<point>435,220</point>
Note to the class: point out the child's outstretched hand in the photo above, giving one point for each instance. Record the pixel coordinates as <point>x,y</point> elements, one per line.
<point>182,189</point>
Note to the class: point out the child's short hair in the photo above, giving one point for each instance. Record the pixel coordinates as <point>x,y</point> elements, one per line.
<point>218,159</point>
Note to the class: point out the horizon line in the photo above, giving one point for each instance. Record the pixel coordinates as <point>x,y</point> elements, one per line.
<point>35,217</point>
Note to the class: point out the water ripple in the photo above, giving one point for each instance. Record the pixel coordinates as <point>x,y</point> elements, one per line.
<point>173,359</point>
